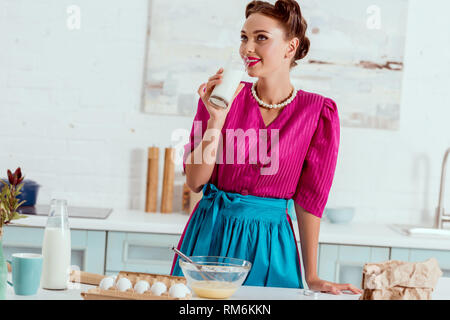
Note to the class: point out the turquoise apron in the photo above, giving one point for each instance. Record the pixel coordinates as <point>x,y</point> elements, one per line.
<point>248,227</point>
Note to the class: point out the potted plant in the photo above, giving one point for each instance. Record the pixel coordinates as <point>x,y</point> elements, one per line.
<point>8,212</point>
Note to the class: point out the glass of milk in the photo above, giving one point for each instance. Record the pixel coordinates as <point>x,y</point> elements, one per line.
<point>232,75</point>
<point>56,247</point>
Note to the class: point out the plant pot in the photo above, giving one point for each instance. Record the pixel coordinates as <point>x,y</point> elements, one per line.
<point>3,271</point>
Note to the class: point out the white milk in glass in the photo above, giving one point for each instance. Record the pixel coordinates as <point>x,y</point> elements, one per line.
<point>56,247</point>
<point>56,251</point>
<point>232,75</point>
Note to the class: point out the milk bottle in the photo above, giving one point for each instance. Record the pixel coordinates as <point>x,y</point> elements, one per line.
<point>56,248</point>
<point>232,75</point>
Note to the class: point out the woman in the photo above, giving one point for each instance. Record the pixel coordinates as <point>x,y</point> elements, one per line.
<point>244,212</point>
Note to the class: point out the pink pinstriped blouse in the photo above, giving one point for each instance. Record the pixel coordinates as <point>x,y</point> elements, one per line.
<point>293,157</point>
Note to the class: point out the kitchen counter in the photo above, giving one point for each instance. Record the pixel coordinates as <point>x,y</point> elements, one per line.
<point>381,235</point>
<point>441,292</point>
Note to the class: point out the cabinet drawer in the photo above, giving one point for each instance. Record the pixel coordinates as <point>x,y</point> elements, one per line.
<point>140,252</point>
<point>344,263</point>
<point>88,247</point>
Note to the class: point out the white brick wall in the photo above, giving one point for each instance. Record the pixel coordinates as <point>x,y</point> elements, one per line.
<point>70,101</point>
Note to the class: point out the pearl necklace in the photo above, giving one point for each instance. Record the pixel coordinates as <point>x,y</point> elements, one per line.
<point>273,106</point>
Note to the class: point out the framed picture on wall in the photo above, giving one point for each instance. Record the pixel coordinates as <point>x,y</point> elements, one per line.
<point>356,55</point>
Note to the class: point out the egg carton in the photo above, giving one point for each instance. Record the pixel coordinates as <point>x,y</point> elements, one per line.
<point>114,294</point>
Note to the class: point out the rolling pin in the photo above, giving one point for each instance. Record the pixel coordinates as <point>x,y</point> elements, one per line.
<point>152,179</point>
<point>189,199</point>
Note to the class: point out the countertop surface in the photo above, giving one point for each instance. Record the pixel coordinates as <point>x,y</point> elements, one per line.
<point>352,233</point>
<point>441,292</point>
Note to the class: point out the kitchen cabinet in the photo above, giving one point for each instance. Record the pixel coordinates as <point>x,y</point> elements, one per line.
<point>140,252</point>
<point>418,255</point>
<point>344,263</point>
<point>88,247</point>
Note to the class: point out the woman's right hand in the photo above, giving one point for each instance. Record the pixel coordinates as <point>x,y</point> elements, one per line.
<point>216,114</point>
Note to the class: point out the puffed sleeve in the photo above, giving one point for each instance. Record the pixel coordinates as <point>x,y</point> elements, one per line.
<point>198,129</point>
<point>320,162</point>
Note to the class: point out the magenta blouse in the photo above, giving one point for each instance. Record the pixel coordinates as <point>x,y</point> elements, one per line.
<point>308,142</point>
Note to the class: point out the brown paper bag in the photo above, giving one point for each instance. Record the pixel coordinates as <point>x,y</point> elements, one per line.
<point>399,280</point>
<point>397,293</point>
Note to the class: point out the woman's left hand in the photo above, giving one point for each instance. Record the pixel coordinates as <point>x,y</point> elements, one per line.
<point>324,286</point>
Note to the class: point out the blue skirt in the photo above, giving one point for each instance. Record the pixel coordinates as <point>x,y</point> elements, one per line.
<point>256,229</point>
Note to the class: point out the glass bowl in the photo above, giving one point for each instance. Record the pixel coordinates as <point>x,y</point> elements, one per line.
<point>220,276</point>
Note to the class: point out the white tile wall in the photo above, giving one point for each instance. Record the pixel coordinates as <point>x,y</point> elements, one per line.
<point>70,101</point>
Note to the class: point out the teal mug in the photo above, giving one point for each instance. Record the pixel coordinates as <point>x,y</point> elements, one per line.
<point>26,273</point>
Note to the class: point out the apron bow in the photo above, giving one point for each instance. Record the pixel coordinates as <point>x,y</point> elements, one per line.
<point>215,199</point>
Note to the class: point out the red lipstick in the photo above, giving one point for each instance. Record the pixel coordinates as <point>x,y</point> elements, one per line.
<point>251,61</point>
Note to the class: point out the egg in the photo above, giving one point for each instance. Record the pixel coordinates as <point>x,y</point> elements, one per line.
<point>123,284</point>
<point>158,288</point>
<point>106,283</point>
<point>141,286</point>
<point>178,290</point>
